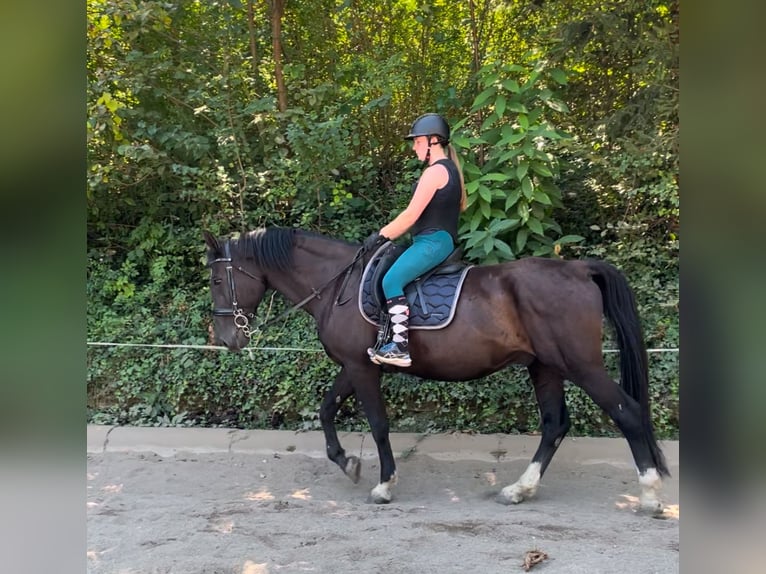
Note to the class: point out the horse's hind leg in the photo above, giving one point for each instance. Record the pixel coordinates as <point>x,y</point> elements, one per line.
<point>340,391</point>
<point>626,413</point>
<point>549,390</point>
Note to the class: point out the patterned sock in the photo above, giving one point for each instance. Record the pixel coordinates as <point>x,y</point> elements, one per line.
<point>400,318</point>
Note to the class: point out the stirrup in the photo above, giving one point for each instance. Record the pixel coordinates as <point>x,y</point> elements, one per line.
<point>383,339</point>
<point>372,354</point>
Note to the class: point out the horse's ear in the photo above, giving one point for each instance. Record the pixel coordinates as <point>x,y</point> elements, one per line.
<point>211,241</point>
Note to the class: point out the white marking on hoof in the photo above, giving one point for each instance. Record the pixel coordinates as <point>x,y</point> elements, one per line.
<point>651,484</point>
<point>522,489</point>
<point>383,492</point>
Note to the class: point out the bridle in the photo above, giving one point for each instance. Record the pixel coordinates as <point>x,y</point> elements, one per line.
<point>242,319</point>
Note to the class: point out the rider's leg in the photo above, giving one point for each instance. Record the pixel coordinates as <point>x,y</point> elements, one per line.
<point>425,253</point>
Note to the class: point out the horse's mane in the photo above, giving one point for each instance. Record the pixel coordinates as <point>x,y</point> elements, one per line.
<point>271,247</point>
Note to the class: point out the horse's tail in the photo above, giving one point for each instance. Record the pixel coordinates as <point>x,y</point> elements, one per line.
<point>621,312</point>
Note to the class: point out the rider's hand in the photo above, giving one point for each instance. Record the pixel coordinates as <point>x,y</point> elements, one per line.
<point>374,241</point>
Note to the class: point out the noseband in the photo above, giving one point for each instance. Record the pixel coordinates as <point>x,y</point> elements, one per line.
<point>241,319</point>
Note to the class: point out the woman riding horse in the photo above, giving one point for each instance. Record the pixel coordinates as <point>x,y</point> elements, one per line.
<point>431,216</point>
<point>545,314</point>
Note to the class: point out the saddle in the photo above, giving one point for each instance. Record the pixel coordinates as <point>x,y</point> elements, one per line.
<point>432,297</point>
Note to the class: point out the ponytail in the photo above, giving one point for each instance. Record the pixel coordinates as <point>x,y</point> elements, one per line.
<point>453,156</point>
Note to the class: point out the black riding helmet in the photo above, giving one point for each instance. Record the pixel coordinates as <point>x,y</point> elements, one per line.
<point>430,125</point>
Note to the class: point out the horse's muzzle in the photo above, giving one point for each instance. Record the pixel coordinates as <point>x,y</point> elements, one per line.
<point>234,341</point>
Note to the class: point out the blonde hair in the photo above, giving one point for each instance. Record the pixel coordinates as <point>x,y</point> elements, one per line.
<point>456,160</point>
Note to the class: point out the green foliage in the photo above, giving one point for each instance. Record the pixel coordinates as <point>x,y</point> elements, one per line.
<point>624,56</point>
<point>566,115</point>
<point>510,166</point>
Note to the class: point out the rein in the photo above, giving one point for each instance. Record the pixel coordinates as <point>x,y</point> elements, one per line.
<point>242,319</point>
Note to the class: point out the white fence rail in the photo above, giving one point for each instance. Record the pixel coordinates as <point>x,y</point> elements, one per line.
<point>290,349</point>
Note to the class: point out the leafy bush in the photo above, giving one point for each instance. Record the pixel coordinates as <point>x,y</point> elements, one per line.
<point>510,166</point>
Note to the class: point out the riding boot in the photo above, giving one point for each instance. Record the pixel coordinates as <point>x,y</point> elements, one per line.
<point>397,351</point>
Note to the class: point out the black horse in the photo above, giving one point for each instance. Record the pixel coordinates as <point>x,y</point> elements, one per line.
<point>545,314</point>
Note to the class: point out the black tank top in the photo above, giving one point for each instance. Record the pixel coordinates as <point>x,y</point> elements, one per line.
<point>443,211</point>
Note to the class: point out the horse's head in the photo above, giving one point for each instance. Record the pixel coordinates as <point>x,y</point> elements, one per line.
<point>237,286</point>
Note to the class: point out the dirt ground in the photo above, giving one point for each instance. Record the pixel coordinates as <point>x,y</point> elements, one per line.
<point>288,512</point>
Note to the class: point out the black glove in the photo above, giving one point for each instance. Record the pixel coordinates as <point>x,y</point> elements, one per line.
<point>374,241</point>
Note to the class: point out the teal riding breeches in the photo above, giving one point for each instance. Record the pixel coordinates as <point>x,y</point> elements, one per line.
<point>425,253</point>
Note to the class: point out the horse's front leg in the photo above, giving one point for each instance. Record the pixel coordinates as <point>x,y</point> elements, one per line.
<point>366,383</point>
<point>340,391</point>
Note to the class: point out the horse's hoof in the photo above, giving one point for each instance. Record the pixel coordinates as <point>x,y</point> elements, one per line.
<point>510,495</point>
<point>353,468</point>
<point>507,500</point>
<point>651,506</point>
<point>381,494</point>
